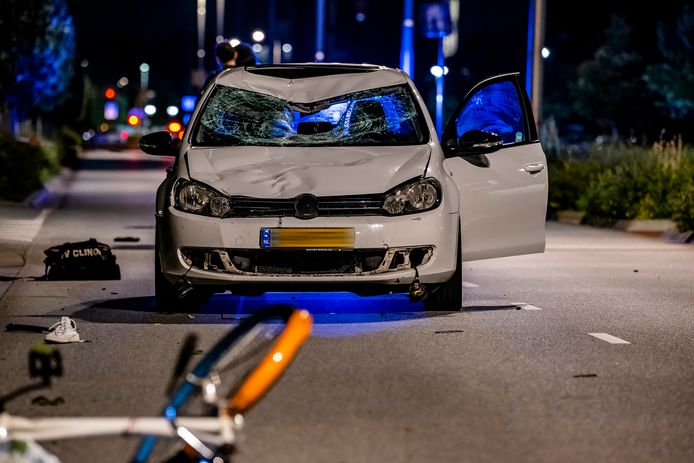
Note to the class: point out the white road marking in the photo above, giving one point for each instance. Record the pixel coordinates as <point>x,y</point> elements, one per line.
<point>530,307</point>
<point>525,306</point>
<point>467,284</point>
<point>24,230</point>
<point>609,338</point>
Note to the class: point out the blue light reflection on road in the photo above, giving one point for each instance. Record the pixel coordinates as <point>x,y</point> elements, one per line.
<point>336,313</point>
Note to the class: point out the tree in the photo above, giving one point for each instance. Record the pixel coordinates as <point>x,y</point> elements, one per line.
<point>609,89</point>
<point>37,48</point>
<point>673,80</point>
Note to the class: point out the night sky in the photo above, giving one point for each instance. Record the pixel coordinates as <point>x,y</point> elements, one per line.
<point>117,37</point>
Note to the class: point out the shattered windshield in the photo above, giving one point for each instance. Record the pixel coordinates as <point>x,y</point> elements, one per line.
<point>381,116</point>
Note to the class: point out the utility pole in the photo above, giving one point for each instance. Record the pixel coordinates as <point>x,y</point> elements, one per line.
<point>220,20</point>
<point>534,64</point>
<point>320,30</point>
<point>407,41</point>
<point>439,88</point>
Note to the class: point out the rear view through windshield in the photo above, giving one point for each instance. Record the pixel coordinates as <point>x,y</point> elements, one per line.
<point>382,116</point>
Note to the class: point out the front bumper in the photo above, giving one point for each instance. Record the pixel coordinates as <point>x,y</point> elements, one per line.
<point>430,238</point>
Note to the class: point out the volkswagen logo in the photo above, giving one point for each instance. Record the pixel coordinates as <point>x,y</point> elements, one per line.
<point>305,206</point>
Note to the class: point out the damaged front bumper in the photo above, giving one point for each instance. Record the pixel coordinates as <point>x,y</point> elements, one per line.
<point>226,252</point>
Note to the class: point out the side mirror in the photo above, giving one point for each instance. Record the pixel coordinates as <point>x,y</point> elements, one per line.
<point>475,142</point>
<point>159,144</point>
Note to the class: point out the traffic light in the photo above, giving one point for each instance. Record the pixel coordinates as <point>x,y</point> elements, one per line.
<point>175,127</point>
<point>133,119</point>
<point>110,93</point>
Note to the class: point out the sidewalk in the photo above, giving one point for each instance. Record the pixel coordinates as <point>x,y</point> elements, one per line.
<point>20,222</point>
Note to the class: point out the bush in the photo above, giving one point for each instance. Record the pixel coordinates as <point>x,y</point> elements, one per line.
<point>23,168</point>
<point>636,187</point>
<point>621,182</point>
<point>568,179</point>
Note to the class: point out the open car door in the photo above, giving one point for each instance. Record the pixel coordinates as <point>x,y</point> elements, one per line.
<point>494,156</point>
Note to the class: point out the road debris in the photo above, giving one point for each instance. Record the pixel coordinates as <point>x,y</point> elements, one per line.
<point>63,332</point>
<point>126,239</point>
<point>21,327</point>
<point>84,260</point>
<point>44,401</point>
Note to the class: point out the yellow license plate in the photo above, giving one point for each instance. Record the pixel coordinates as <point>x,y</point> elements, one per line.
<point>307,238</point>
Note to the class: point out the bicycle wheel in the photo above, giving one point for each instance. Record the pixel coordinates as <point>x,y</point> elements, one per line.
<point>237,371</point>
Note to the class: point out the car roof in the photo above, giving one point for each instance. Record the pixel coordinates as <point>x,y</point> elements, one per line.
<point>308,82</point>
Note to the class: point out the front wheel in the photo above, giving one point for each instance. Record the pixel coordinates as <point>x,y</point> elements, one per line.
<point>166,295</point>
<point>448,296</point>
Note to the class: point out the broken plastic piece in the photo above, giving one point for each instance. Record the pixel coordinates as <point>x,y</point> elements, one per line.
<point>44,401</point>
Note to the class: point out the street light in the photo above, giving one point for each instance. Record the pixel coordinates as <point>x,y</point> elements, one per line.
<point>258,35</point>
<point>144,75</point>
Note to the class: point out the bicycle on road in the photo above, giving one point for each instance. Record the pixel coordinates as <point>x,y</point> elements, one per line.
<point>204,414</point>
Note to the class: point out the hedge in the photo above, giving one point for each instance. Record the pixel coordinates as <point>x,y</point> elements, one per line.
<point>626,182</point>
<point>24,168</point>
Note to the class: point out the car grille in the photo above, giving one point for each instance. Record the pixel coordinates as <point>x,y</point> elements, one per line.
<point>302,262</point>
<point>342,206</point>
<point>305,262</point>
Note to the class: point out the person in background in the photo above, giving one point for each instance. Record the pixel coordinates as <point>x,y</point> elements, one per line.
<point>244,55</point>
<point>230,57</point>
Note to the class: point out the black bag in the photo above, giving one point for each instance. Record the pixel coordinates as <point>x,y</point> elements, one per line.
<point>85,260</point>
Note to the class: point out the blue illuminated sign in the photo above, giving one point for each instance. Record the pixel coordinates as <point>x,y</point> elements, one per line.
<point>111,111</point>
<point>188,103</point>
<point>435,20</point>
<point>186,118</point>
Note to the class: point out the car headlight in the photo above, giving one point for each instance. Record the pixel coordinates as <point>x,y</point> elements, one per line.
<point>200,199</point>
<point>412,197</point>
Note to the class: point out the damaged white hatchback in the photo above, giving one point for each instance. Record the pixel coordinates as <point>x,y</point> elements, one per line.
<point>332,177</point>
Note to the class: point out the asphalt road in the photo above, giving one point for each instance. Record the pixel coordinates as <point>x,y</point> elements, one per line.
<point>515,376</point>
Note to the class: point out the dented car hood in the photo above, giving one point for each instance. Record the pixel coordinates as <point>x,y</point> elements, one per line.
<point>285,172</point>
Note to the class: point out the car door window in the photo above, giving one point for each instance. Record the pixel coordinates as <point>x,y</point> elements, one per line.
<point>495,108</point>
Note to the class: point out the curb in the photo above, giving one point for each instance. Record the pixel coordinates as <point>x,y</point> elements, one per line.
<point>646,226</point>
<point>656,228</point>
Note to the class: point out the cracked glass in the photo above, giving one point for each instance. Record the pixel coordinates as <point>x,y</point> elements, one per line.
<point>381,116</point>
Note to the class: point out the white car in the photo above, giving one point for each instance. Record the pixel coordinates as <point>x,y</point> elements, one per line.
<point>332,177</point>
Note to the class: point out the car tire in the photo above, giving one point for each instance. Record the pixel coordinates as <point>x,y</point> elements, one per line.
<point>166,294</point>
<point>448,296</point>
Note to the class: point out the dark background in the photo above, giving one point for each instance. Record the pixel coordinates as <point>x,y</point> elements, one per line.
<point>117,37</point>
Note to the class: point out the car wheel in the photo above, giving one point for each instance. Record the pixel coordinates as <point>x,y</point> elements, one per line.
<point>448,296</point>
<point>166,294</point>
